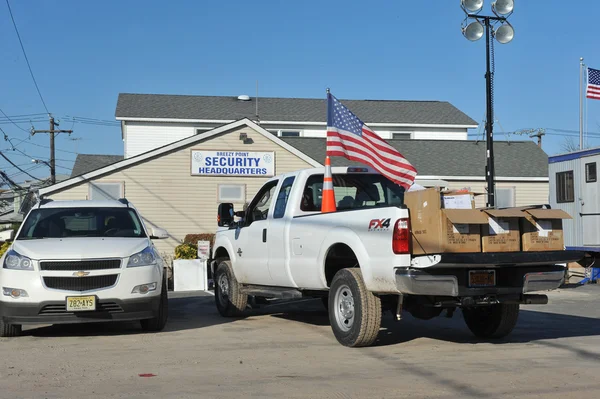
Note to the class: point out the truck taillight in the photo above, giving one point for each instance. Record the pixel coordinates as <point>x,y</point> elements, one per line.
<point>401,242</point>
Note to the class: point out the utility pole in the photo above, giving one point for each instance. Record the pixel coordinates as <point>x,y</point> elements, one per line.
<point>51,132</point>
<point>539,134</point>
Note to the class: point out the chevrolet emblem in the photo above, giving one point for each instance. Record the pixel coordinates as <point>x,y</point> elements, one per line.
<point>80,274</point>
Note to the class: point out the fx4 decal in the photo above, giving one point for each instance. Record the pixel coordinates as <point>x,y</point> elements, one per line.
<point>379,224</point>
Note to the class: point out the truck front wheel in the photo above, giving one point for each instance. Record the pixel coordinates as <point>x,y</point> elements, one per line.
<point>495,321</point>
<point>229,300</point>
<point>354,312</point>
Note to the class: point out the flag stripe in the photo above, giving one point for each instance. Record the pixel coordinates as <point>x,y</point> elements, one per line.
<point>377,163</point>
<point>381,145</point>
<point>347,139</point>
<point>362,159</point>
<point>351,144</point>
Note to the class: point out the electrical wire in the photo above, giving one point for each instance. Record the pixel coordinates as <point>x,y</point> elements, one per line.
<point>25,54</point>
<point>15,165</point>
<point>13,122</point>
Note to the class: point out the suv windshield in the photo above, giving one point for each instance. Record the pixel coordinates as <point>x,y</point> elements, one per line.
<point>353,191</point>
<point>81,222</point>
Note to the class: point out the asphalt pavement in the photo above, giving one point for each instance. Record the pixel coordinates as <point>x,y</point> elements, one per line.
<point>287,350</point>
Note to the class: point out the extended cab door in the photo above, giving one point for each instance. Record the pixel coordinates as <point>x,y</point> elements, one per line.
<point>250,242</point>
<point>278,238</point>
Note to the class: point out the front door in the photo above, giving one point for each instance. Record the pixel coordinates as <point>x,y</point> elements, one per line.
<point>250,244</point>
<point>590,209</point>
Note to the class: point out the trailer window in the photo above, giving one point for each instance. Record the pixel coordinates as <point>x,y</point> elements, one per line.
<point>565,190</point>
<point>590,172</point>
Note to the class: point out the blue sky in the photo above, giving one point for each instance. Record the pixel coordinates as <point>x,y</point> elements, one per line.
<point>84,53</point>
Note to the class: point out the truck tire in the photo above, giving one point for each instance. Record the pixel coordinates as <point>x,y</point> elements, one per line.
<point>495,321</point>
<point>9,330</point>
<point>354,312</point>
<point>159,322</point>
<point>228,298</point>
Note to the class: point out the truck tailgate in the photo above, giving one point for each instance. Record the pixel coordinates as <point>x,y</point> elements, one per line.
<point>497,259</point>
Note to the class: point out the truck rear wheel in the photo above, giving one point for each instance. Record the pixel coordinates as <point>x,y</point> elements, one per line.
<point>228,298</point>
<point>9,330</point>
<point>354,312</point>
<point>495,321</point>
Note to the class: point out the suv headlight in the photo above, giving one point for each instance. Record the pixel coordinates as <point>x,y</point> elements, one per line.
<point>15,261</point>
<point>143,258</point>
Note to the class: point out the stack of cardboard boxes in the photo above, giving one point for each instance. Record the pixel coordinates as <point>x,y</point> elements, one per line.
<point>449,222</point>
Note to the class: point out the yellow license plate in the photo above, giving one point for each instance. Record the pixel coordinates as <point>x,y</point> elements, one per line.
<point>81,303</point>
<point>482,278</point>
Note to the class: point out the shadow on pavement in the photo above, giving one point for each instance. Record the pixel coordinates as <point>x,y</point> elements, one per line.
<point>189,312</point>
<point>532,325</point>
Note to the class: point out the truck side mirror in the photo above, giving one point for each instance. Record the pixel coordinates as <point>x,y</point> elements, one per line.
<point>225,214</point>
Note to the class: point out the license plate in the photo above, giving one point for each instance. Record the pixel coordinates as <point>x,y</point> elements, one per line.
<point>81,303</point>
<point>482,278</point>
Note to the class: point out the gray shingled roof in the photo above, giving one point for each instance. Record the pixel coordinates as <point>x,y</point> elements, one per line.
<point>449,158</point>
<point>85,163</point>
<point>285,109</point>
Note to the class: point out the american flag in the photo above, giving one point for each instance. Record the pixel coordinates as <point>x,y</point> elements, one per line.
<point>349,137</point>
<point>593,86</point>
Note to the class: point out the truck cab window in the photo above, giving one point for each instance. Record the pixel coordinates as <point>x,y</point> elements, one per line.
<point>259,208</point>
<point>282,197</point>
<point>353,191</point>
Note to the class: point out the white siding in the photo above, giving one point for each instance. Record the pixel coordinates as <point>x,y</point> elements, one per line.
<point>144,136</point>
<point>168,196</point>
<point>141,137</point>
<point>526,193</point>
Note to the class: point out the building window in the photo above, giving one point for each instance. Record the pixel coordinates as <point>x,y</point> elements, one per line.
<point>289,133</point>
<point>232,193</point>
<point>590,172</point>
<point>505,197</point>
<point>401,135</point>
<point>565,189</point>
<point>106,191</point>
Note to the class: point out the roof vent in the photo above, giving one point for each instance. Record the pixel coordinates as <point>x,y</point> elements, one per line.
<point>244,97</point>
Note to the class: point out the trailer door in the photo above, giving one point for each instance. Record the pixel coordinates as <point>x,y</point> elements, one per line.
<point>590,203</point>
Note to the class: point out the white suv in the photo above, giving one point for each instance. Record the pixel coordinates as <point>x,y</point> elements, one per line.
<point>79,262</point>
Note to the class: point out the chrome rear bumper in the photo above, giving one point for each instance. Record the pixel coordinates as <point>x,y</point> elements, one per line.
<point>417,282</point>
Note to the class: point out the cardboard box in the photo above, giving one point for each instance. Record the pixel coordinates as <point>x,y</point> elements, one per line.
<point>541,229</point>
<point>502,232</point>
<point>439,230</point>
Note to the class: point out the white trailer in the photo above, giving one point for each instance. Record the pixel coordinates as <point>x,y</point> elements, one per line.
<point>575,188</point>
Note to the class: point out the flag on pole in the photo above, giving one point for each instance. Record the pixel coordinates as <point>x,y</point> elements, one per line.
<point>593,85</point>
<point>349,137</point>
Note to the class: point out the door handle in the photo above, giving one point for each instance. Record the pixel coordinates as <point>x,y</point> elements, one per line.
<point>264,235</point>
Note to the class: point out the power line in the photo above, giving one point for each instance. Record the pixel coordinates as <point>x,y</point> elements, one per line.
<point>25,54</point>
<point>15,165</point>
<point>13,122</point>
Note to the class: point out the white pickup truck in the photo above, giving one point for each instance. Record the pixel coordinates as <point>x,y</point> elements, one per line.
<point>358,259</point>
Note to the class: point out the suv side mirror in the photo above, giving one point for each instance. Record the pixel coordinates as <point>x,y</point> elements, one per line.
<point>225,214</point>
<point>158,233</point>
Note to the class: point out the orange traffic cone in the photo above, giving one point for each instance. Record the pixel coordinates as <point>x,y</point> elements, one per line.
<point>328,196</point>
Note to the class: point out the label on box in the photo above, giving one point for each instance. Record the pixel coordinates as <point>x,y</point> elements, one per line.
<point>498,226</point>
<point>457,201</point>
<point>544,227</point>
<point>460,228</point>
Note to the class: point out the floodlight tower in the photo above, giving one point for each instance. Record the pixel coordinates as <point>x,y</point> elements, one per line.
<point>473,29</point>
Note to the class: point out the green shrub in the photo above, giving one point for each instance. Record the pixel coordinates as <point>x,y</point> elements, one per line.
<point>194,238</point>
<point>4,248</point>
<point>186,251</point>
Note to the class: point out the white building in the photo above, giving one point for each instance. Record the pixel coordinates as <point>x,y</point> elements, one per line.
<point>149,121</point>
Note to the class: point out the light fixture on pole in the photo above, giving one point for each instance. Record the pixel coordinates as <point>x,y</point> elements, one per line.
<point>473,29</point>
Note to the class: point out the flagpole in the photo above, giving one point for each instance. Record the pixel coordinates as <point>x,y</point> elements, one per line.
<point>581,103</point>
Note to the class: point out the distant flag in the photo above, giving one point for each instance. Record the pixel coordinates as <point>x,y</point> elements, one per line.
<point>593,86</point>
<point>349,137</point>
